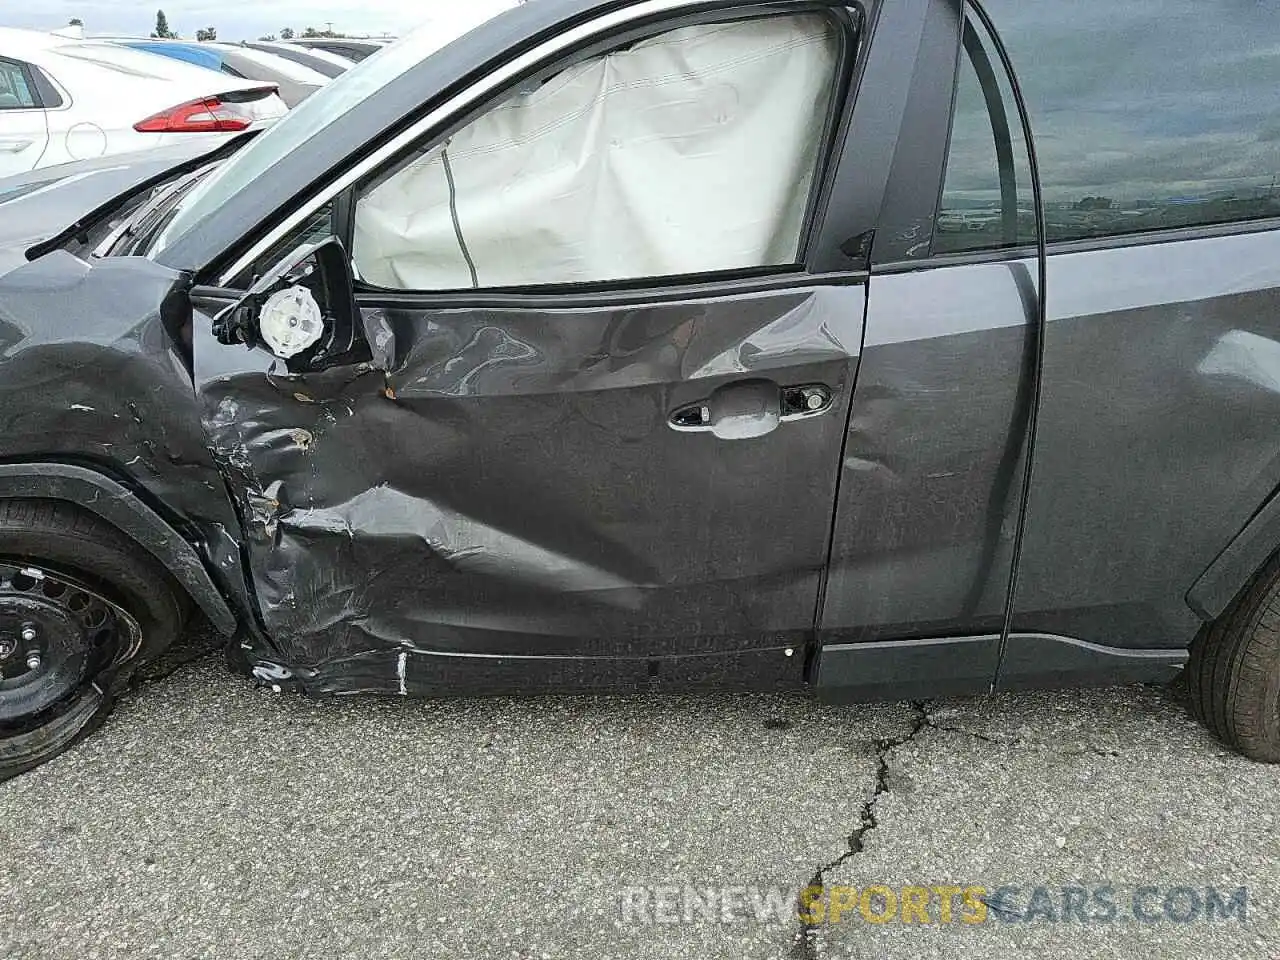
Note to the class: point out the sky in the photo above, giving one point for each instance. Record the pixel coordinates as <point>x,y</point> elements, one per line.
<point>236,21</point>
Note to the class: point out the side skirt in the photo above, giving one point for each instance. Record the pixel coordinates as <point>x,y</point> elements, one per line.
<point>959,666</point>
<point>416,672</point>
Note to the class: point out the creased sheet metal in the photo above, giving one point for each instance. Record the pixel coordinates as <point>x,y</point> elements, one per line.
<point>95,370</point>
<point>508,487</point>
<point>88,370</point>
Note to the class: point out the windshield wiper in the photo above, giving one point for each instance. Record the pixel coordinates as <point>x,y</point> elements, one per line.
<point>142,227</point>
<point>94,220</point>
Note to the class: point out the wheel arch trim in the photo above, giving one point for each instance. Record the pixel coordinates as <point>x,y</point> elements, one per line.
<point>1233,568</point>
<point>124,510</point>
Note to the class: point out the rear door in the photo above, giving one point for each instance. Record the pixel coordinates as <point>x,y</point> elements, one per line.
<point>930,486</point>
<point>24,131</point>
<point>616,318</point>
<point>1160,426</point>
<point>1156,433</point>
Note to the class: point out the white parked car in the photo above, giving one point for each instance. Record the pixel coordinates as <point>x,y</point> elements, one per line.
<point>65,99</point>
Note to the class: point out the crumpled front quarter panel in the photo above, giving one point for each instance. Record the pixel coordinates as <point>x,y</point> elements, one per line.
<point>89,373</point>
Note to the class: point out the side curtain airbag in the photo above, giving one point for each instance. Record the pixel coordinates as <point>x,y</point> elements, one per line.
<point>691,151</point>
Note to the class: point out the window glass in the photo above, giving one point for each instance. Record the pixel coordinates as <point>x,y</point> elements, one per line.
<point>987,202</point>
<point>45,92</point>
<point>15,92</point>
<point>688,152</point>
<point>1149,114</point>
<point>315,228</point>
<point>311,118</point>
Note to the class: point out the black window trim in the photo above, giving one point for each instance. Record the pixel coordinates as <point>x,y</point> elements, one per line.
<point>52,95</point>
<point>850,64</point>
<point>646,291</point>
<point>850,18</point>
<point>224,258</point>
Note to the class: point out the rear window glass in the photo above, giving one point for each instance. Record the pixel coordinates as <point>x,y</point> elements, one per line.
<point>1150,114</point>
<point>15,92</point>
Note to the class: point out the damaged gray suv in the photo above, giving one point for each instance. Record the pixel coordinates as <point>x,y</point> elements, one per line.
<point>888,348</point>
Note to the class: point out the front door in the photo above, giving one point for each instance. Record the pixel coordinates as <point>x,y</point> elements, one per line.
<point>598,438</point>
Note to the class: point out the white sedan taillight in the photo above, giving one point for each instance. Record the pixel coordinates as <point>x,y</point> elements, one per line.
<point>224,113</point>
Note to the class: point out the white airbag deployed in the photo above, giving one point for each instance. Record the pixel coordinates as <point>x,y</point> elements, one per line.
<point>688,152</point>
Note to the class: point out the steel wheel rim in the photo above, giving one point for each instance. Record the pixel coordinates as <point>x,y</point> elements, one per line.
<point>56,635</point>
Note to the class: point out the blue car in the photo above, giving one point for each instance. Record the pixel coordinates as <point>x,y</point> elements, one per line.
<point>294,81</point>
<point>197,53</point>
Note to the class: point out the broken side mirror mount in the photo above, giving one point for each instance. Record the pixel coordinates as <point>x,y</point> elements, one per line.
<point>302,311</point>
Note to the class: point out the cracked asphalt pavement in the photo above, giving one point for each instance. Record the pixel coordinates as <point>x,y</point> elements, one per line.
<point>211,818</point>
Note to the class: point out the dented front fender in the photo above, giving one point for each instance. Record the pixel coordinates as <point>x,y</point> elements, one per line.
<point>95,372</point>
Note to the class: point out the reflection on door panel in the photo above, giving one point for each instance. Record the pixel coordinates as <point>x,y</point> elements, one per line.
<point>1158,432</point>
<point>1149,116</point>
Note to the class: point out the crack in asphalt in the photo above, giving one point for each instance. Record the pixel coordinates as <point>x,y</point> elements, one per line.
<point>805,943</point>
<point>969,733</point>
<point>806,940</point>
<point>1089,749</point>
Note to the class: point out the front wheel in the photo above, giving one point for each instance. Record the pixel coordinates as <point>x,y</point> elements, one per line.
<point>80,606</point>
<point>1233,676</point>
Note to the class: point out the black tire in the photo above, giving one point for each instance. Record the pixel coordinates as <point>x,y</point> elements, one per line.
<point>62,538</point>
<point>1233,676</point>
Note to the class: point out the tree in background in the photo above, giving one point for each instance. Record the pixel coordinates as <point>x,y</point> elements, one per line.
<point>286,33</point>
<point>267,37</point>
<point>75,22</point>
<point>162,31</point>
<point>313,32</point>
<point>207,33</point>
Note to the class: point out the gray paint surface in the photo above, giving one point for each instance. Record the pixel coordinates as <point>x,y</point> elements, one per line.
<point>507,484</point>
<point>1157,438</point>
<point>1161,379</point>
<point>109,387</point>
<point>500,483</point>
<point>928,495</point>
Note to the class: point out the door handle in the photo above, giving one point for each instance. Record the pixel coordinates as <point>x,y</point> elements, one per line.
<point>11,145</point>
<point>750,408</point>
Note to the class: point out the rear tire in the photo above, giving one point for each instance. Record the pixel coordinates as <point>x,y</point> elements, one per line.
<point>41,717</point>
<point>1233,676</point>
